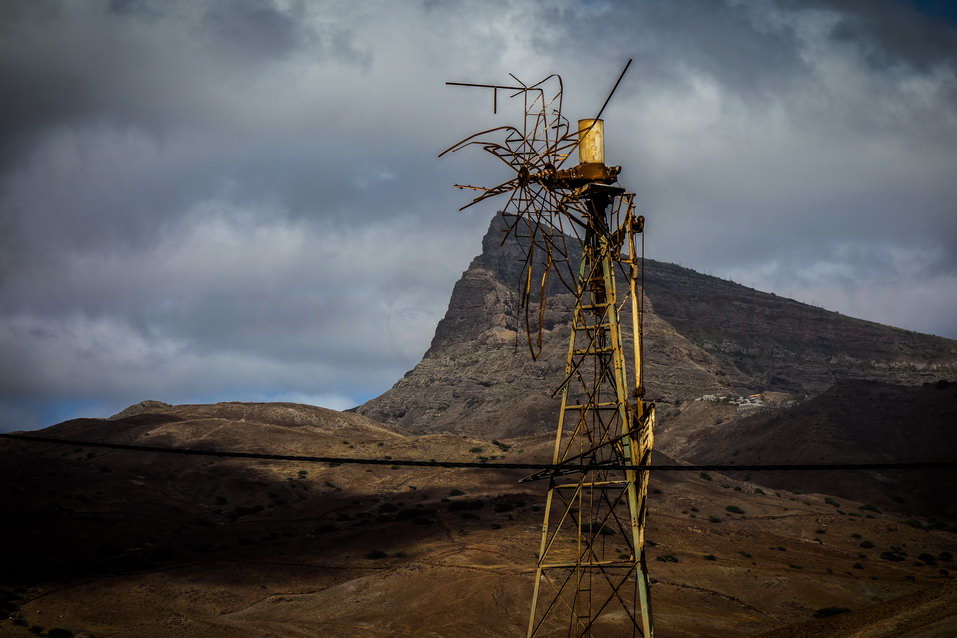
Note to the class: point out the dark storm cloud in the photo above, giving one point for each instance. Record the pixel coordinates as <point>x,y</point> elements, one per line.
<point>891,33</point>
<point>241,200</point>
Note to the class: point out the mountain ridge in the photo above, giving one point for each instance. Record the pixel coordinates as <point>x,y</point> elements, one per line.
<point>702,335</point>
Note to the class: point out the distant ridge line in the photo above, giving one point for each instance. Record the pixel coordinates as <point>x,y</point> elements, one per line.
<point>548,469</point>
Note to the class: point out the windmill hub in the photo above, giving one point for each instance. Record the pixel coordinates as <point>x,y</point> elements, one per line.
<point>578,176</point>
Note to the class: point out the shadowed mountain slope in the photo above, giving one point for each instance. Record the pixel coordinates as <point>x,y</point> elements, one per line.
<point>854,421</point>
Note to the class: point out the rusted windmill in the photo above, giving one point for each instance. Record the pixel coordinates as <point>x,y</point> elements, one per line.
<point>591,575</point>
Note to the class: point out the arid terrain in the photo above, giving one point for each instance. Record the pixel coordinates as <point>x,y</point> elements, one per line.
<point>122,543</point>
<point>118,543</point>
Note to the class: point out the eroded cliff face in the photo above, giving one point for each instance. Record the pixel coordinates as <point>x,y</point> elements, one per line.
<point>703,335</point>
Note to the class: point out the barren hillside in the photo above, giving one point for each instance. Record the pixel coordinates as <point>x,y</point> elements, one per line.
<point>122,543</point>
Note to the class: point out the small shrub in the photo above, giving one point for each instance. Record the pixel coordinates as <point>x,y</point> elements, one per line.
<point>824,612</point>
<point>856,535</point>
<point>793,566</point>
<point>866,544</point>
<point>734,509</point>
<point>667,558</point>
<point>710,557</point>
<point>705,476</point>
<point>477,504</point>
<point>597,527</point>
<point>456,492</point>
<point>820,531</point>
<point>858,566</point>
<point>927,558</point>
<point>376,554</point>
<point>831,501</point>
<point>714,519</point>
<point>758,490</point>
<point>475,450</point>
<point>913,522</point>
<point>892,557</point>
<point>745,554</point>
<point>870,508</point>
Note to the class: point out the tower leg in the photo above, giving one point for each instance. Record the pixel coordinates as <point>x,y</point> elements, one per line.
<point>591,562</point>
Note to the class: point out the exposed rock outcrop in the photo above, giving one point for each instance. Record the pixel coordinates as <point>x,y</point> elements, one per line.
<point>702,335</point>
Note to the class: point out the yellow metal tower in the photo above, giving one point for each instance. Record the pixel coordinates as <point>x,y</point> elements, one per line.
<point>591,577</point>
<point>591,570</point>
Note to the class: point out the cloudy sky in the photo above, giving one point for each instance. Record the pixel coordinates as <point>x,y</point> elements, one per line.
<point>241,200</point>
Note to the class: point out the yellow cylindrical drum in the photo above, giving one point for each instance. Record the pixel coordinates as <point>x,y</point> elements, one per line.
<point>591,144</point>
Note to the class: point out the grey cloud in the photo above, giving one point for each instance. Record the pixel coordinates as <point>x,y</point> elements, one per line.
<point>254,28</point>
<point>242,200</point>
<point>891,33</point>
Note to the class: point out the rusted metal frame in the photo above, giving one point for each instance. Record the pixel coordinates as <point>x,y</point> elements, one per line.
<point>567,461</point>
<point>593,338</point>
<point>567,503</point>
<point>470,140</point>
<point>612,504</point>
<point>528,113</point>
<point>535,146</point>
<point>546,544</point>
<point>504,152</point>
<point>625,415</point>
<point>635,309</point>
<point>642,576</point>
<point>546,104</point>
<point>543,196</point>
<point>611,507</point>
<point>532,628</point>
<point>614,594</point>
<point>582,603</point>
<point>577,495</point>
<point>645,421</point>
<point>497,190</point>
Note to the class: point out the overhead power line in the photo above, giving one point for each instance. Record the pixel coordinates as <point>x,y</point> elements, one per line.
<point>549,468</point>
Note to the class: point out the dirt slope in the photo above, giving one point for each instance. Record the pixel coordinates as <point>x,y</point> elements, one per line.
<point>132,544</point>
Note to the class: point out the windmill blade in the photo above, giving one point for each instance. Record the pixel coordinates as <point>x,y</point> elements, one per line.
<point>548,214</point>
